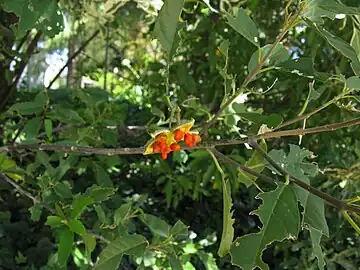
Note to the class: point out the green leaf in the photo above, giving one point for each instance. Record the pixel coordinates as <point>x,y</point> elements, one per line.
<point>35,212</point>
<point>101,176</point>
<point>156,225</point>
<point>166,25</point>
<point>208,260</point>
<point>122,213</point>
<point>278,55</point>
<point>100,213</point>
<point>179,230</point>
<point>280,217</point>
<point>355,41</point>
<point>353,83</point>
<point>227,235</point>
<point>317,9</point>
<point>76,226</point>
<point>244,25</point>
<point>110,257</point>
<point>294,163</point>
<point>66,239</point>
<point>175,263</point>
<point>303,67</point>
<point>315,240</point>
<point>256,163</point>
<point>168,190</point>
<point>79,205</point>
<point>27,108</point>
<point>100,194</point>
<point>65,115</point>
<point>63,190</point>
<point>48,128</point>
<point>54,221</point>
<point>340,45</point>
<point>90,243</point>
<point>32,128</point>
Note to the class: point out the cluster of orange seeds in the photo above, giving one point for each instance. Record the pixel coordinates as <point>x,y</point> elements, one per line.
<point>167,141</point>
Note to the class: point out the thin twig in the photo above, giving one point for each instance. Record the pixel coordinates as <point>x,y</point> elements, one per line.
<point>204,145</point>
<point>25,192</point>
<point>82,47</point>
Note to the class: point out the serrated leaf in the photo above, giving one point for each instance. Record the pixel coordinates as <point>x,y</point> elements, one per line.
<point>79,205</point>
<point>90,244</point>
<point>244,25</point>
<point>156,225</point>
<point>66,239</point>
<point>341,46</point>
<point>227,235</point>
<point>315,240</point>
<point>54,221</point>
<point>110,257</point>
<point>35,212</point>
<point>166,25</point>
<point>314,214</point>
<point>100,194</point>
<point>280,217</point>
<point>122,213</point>
<point>256,163</point>
<point>76,226</point>
<point>66,115</point>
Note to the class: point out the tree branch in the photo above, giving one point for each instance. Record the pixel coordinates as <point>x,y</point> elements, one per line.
<point>82,47</point>
<point>204,145</point>
<point>341,205</point>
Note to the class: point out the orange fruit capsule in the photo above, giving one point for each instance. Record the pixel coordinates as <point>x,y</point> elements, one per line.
<point>196,138</point>
<point>156,147</point>
<point>175,147</point>
<point>179,135</point>
<point>188,140</point>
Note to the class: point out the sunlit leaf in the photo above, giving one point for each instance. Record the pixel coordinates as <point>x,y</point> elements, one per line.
<point>76,226</point>
<point>122,213</point>
<point>166,25</point>
<point>280,217</point>
<point>90,243</point>
<point>79,205</point>
<point>355,41</point>
<point>353,83</point>
<point>256,163</point>
<point>244,25</point>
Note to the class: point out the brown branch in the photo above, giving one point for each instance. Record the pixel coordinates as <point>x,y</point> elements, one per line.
<point>25,192</point>
<point>339,204</point>
<point>19,71</point>
<point>81,48</point>
<point>204,145</point>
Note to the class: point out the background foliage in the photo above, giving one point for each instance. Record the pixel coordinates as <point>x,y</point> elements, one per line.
<point>132,65</point>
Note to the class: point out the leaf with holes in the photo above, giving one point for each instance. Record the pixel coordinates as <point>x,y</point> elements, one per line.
<point>227,235</point>
<point>280,217</point>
